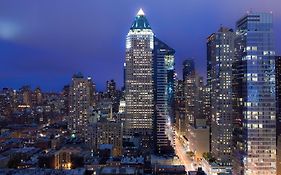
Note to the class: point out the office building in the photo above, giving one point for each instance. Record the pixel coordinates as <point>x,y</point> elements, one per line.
<point>111,87</point>
<point>163,93</point>
<point>255,97</point>
<point>179,108</point>
<point>188,68</point>
<point>220,56</point>
<point>139,77</point>
<point>193,98</point>
<point>278,110</point>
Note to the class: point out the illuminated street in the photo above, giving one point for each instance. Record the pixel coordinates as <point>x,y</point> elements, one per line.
<point>180,151</point>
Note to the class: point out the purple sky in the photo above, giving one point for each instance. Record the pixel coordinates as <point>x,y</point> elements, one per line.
<point>42,43</point>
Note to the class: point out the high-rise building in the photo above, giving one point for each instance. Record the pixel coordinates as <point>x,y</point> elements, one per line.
<point>179,107</point>
<point>113,94</point>
<point>139,77</point>
<point>193,98</point>
<point>188,68</point>
<point>206,104</point>
<point>80,101</point>
<point>220,56</point>
<point>278,110</point>
<point>254,92</point>
<point>111,88</point>
<point>163,93</point>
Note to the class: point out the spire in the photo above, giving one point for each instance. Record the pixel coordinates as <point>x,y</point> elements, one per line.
<point>140,13</point>
<point>140,21</point>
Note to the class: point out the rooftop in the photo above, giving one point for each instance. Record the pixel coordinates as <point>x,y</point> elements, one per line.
<point>140,21</point>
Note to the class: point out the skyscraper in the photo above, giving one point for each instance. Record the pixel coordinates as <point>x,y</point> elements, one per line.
<point>139,77</point>
<point>188,68</point>
<point>111,88</point>
<point>278,110</point>
<point>163,94</point>
<point>220,56</point>
<point>193,98</point>
<point>254,92</point>
<point>80,100</point>
<point>179,107</point>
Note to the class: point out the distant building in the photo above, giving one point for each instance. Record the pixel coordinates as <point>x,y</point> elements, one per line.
<point>25,96</point>
<point>254,92</point>
<point>7,102</point>
<point>179,108</point>
<point>193,98</point>
<point>188,68</point>
<point>106,132</point>
<point>111,88</point>
<point>113,94</point>
<point>65,97</point>
<point>37,97</point>
<point>220,56</point>
<point>80,101</point>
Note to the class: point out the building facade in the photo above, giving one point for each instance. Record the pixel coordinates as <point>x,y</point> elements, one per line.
<point>193,98</point>
<point>107,132</point>
<point>278,115</point>
<point>80,101</point>
<point>179,108</point>
<point>254,94</point>
<point>163,93</point>
<point>220,56</point>
<point>188,68</point>
<point>139,77</point>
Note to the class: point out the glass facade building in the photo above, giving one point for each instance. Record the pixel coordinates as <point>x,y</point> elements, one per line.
<point>163,95</point>
<point>254,93</point>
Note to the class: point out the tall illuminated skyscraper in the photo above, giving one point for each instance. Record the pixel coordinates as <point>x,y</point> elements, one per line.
<point>164,93</point>
<point>220,56</point>
<point>139,77</point>
<point>254,92</point>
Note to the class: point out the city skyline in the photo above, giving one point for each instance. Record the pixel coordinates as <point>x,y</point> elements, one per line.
<point>156,114</point>
<point>36,56</point>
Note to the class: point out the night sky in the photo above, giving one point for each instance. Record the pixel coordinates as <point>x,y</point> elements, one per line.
<point>42,43</point>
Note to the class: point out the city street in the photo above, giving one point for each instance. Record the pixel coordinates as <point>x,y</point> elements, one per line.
<point>181,153</point>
